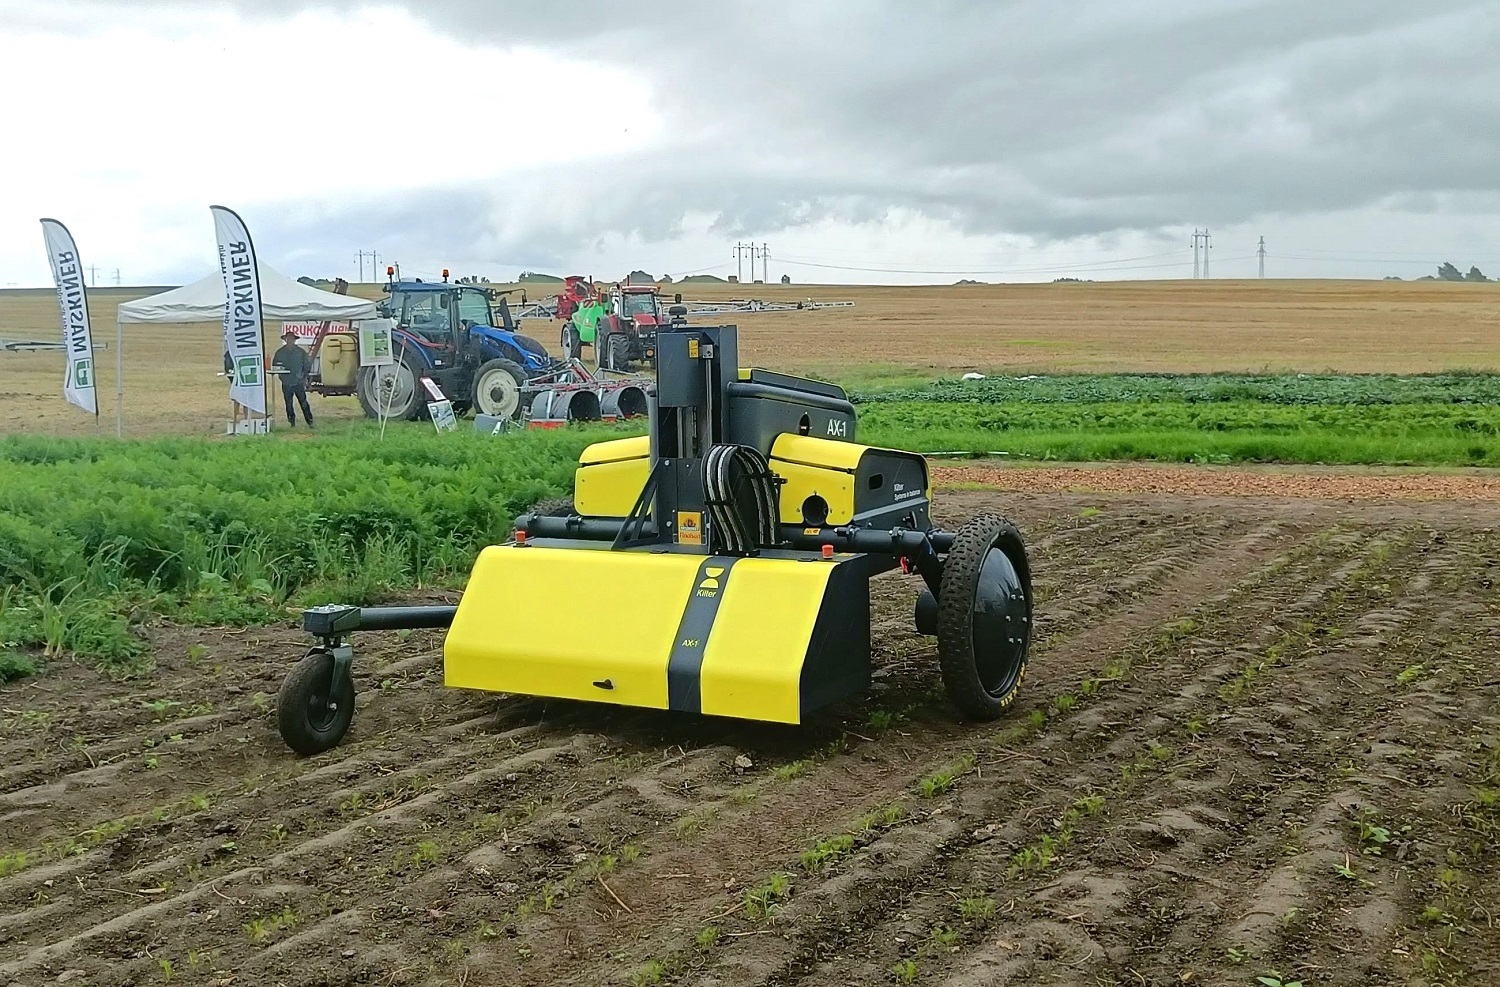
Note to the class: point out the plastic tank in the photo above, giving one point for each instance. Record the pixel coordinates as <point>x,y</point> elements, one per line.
<point>339,359</point>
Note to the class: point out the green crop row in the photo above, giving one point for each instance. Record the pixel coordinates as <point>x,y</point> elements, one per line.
<point>95,533</point>
<point>1451,435</point>
<point>1282,389</point>
<point>1239,416</point>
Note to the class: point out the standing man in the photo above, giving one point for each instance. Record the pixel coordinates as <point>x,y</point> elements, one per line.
<point>295,365</point>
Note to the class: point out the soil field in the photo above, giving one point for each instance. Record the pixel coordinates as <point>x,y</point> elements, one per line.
<point>1177,326</point>
<point>1258,734</point>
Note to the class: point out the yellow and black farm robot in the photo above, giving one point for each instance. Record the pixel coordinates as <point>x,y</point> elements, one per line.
<point>742,532</point>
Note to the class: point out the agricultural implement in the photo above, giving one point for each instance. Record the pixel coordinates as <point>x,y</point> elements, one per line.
<point>748,525</point>
<point>460,336</point>
<point>572,393</point>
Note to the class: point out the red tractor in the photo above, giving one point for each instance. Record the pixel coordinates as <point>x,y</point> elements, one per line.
<point>621,326</point>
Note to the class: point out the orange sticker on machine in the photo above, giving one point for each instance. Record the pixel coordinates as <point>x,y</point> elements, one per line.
<point>690,527</point>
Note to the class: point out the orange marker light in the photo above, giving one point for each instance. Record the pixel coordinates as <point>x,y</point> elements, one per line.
<point>520,537</point>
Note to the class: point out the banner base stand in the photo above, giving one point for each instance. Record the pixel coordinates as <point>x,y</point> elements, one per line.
<point>248,426</point>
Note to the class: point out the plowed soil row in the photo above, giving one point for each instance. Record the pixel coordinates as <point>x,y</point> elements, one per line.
<point>1258,737</point>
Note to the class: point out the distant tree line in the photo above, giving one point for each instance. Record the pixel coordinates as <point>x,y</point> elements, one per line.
<point>1448,272</point>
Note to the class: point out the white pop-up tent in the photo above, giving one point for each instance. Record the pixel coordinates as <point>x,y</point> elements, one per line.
<point>280,298</point>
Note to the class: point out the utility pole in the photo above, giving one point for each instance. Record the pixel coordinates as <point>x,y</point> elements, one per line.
<point>1261,256</point>
<point>1200,240</point>
<point>93,279</point>
<point>117,277</point>
<point>739,269</point>
<point>374,256</point>
<point>765,262</point>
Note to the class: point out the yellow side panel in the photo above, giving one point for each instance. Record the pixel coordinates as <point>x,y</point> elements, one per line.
<point>752,664</point>
<point>609,489</point>
<point>834,486</point>
<point>814,451</point>
<point>605,452</point>
<point>519,627</point>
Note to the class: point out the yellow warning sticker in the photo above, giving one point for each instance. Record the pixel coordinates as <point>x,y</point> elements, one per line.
<point>692,349</point>
<point>690,527</point>
<point>812,531</point>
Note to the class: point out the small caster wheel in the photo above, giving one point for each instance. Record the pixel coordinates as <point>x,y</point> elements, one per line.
<point>983,618</point>
<point>313,711</point>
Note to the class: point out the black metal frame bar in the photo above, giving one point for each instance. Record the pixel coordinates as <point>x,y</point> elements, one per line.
<point>334,622</point>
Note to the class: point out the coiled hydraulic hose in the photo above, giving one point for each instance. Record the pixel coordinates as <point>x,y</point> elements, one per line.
<point>727,469</point>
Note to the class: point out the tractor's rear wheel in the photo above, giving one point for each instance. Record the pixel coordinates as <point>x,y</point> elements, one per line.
<point>389,391</point>
<point>572,343</point>
<point>497,388</point>
<point>313,711</point>
<point>984,610</point>
<point>618,353</point>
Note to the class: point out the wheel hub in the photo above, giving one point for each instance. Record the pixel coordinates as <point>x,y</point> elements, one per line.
<point>393,386</point>
<point>498,394</point>
<point>1002,628</point>
<point>320,710</point>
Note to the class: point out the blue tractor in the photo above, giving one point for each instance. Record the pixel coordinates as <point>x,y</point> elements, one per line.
<point>448,333</point>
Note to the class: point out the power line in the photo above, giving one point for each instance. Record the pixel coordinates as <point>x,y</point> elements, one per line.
<point>1355,260</point>
<point>1376,254</point>
<point>1103,266</point>
<point>1056,264</point>
<point>702,270</point>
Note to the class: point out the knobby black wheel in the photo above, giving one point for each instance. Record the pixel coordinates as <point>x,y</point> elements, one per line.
<point>313,711</point>
<point>984,616</point>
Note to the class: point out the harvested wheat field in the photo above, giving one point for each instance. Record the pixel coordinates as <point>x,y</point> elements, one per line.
<point>1178,326</point>
<point>1258,738</point>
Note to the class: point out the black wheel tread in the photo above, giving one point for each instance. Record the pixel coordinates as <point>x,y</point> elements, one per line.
<point>619,352</point>
<point>956,658</point>
<point>306,678</point>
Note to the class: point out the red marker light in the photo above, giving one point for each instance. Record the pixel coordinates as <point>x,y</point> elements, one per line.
<point>520,537</point>
<point>390,272</point>
<point>827,551</point>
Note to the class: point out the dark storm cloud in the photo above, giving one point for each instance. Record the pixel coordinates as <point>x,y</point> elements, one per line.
<point>1053,119</point>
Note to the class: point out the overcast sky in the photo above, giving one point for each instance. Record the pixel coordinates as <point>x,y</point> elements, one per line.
<point>863,141</point>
